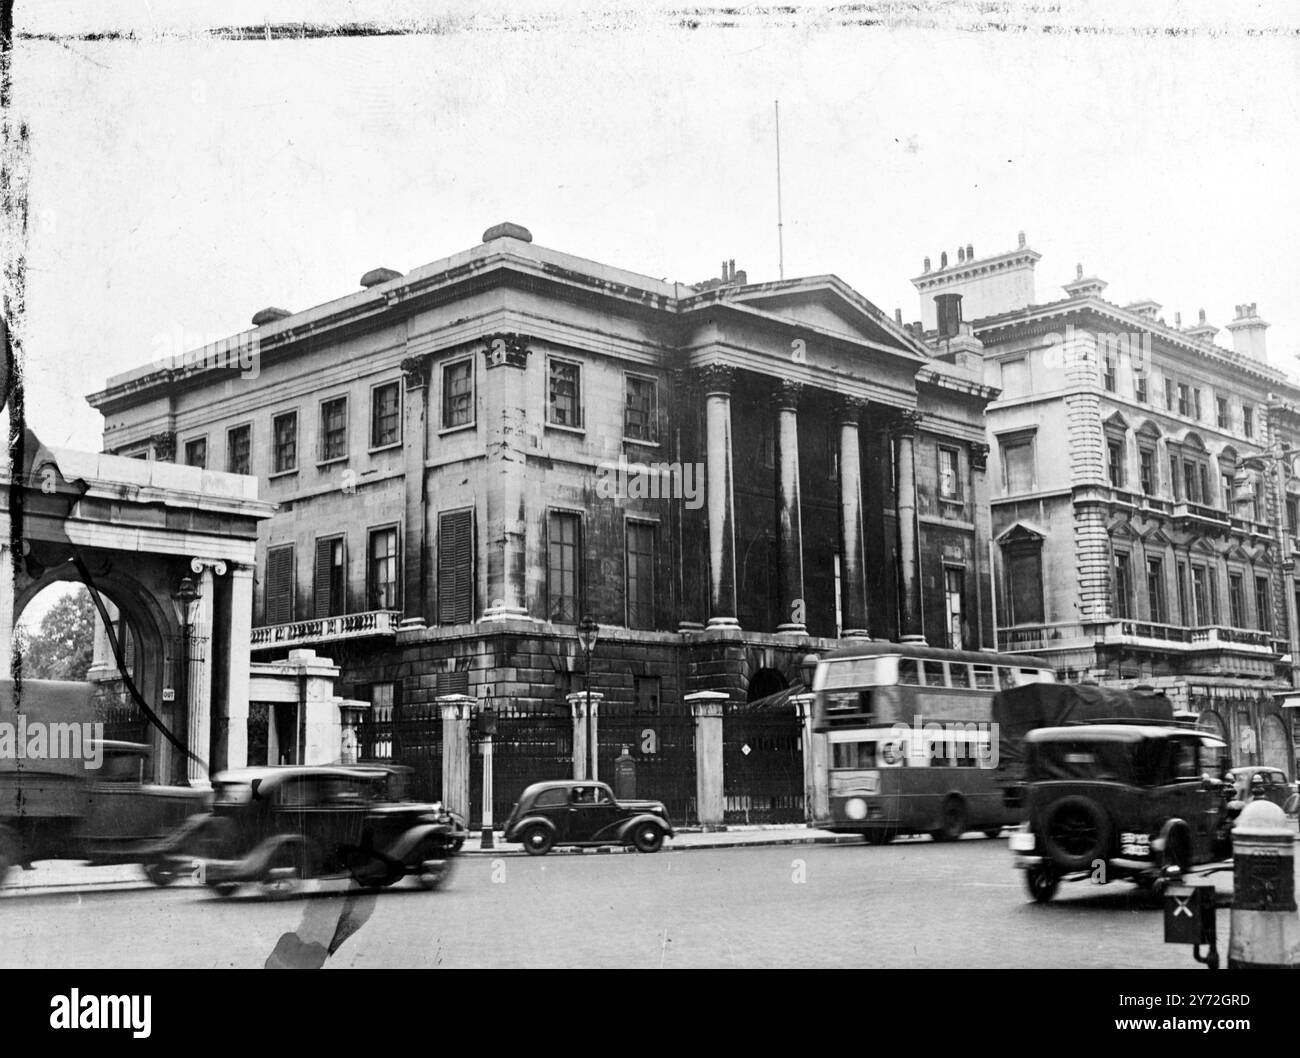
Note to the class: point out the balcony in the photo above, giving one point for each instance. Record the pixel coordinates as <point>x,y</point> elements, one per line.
<point>1141,634</point>
<point>366,625</point>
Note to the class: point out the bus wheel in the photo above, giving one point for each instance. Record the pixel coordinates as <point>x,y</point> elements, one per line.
<point>1041,881</point>
<point>952,820</point>
<point>880,837</point>
<point>993,832</point>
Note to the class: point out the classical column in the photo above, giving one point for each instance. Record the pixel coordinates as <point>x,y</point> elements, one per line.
<point>909,577</point>
<point>506,363</point>
<point>6,609</point>
<point>981,515</point>
<point>232,742</point>
<point>853,553</point>
<point>789,528</point>
<point>415,441</point>
<point>687,519</point>
<point>816,792</point>
<point>717,380</point>
<point>455,709</point>
<point>706,708</point>
<point>199,685</point>
<point>584,735</point>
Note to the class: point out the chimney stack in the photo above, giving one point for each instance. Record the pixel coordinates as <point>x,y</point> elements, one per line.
<point>943,260</point>
<point>1248,333</point>
<point>961,255</point>
<point>926,268</point>
<point>970,253</point>
<point>948,311</point>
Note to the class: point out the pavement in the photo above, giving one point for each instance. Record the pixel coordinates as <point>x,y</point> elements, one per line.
<point>71,876</point>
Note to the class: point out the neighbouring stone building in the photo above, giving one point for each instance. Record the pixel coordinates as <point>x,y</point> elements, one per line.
<point>1144,504</point>
<point>471,456</point>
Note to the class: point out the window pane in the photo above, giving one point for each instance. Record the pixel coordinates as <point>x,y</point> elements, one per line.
<point>385,415</point>
<point>239,449</point>
<point>1018,466</point>
<point>640,575</point>
<point>563,407</point>
<point>382,577</point>
<point>196,453</point>
<point>949,481</point>
<point>563,568</point>
<point>639,410</point>
<point>458,394</point>
<point>285,428</point>
<point>1025,572</point>
<point>334,428</point>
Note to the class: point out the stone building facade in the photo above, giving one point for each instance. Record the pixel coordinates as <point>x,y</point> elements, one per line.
<point>470,457</point>
<point>1143,504</point>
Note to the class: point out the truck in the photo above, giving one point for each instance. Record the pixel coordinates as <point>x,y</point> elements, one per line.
<point>68,793</point>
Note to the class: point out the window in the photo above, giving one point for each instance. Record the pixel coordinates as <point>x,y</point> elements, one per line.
<point>1169,394</point>
<point>1015,378</point>
<point>562,567</point>
<point>196,453</point>
<point>1140,388</point>
<point>1156,590</point>
<point>1201,601</point>
<point>564,394</point>
<point>1257,488</point>
<point>1191,485</point>
<point>1196,404</point>
<point>455,567</point>
<point>1248,420</point>
<point>329,588</point>
<point>1184,613</point>
<point>284,428</point>
<point>1147,471</point>
<point>1025,585</point>
<point>1108,372</point>
<point>1203,472</point>
<point>1292,514</point>
<point>334,429</point>
<point>1228,487</point>
<point>1115,463</point>
<point>386,415</point>
<point>1123,586</point>
<point>381,571</point>
<point>1236,601</point>
<point>934,674</point>
<point>1017,463</point>
<point>954,589</point>
<point>457,394</point>
<point>646,689</point>
<point>640,575</point>
<point>908,673</point>
<point>1175,493</point>
<point>239,449</point>
<point>1221,412</point>
<point>1263,604</point>
<point>279,585</point>
<point>640,409</point>
<point>1183,406</point>
<point>949,478</point>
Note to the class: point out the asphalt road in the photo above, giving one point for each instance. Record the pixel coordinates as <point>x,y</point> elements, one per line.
<point>912,904</point>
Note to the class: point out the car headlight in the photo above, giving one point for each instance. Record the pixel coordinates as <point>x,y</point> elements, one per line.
<point>855,808</point>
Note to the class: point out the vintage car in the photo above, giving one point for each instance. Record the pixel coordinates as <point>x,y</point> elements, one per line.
<point>276,826</point>
<point>582,812</point>
<point>1270,784</point>
<point>1122,801</point>
<point>104,815</point>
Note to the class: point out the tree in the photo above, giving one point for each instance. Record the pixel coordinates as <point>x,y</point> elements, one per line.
<point>62,647</point>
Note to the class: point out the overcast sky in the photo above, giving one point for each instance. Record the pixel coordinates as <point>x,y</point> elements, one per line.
<point>179,183</point>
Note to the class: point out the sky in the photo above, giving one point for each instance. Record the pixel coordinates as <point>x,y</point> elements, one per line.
<point>178,182</point>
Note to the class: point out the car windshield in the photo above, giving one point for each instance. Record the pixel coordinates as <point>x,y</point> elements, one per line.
<point>1083,759</point>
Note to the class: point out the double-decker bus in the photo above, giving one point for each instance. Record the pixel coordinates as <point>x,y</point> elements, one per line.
<point>913,749</point>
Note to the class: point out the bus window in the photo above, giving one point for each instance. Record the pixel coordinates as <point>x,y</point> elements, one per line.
<point>1031,676</point>
<point>853,755</point>
<point>1006,678</point>
<point>959,673</point>
<point>907,672</point>
<point>984,678</point>
<point>934,674</point>
<point>893,753</point>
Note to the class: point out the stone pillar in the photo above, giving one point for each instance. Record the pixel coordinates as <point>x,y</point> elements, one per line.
<point>198,700</point>
<point>506,535</point>
<point>456,710</point>
<point>687,519</point>
<point>320,719</point>
<point>706,708</point>
<point>816,792</point>
<point>789,527</point>
<point>908,574</point>
<point>582,755</point>
<point>720,500</point>
<point>415,443</point>
<point>7,601</point>
<point>233,741</point>
<point>103,666</point>
<point>853,555</point>
<point>987,634</point>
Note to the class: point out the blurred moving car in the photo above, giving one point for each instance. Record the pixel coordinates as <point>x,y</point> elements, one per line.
<point>276,826</point>
<point>582,812</point>
<point>1270,784</point>
<point>103,815</point>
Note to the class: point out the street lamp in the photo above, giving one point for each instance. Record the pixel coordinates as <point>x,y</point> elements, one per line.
<point>588,632</point>
<point>808,669</point>
<point>185,600</point>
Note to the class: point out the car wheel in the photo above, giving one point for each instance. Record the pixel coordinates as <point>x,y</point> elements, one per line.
<point>537,840</point>
<point>952,820</point>
<point>648,838</point>
<point>1041,881</point>
<point>160,872</point>
<point>226,888</point>
<point>993,832</point>
<point>880,837</point>
<point>1076,833</point>
<point>435,864</point>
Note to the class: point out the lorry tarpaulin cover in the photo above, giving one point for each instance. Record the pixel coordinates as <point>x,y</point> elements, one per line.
<point>1019,710</point>
<point>43,702</point>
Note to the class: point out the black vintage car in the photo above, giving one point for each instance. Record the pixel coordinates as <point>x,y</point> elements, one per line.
<point>582,812</point>
<point>1105,802</point>
<point>275,826</point>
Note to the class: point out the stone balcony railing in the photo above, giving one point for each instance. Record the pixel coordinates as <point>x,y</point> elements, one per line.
<point>363,625</point>
<point>1179,638</point>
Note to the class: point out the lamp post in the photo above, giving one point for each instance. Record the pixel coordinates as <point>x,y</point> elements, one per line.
<point>588,632</point>
<point>184,601</point>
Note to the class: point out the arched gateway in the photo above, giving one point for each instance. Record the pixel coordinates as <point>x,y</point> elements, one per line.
<point>171,548</point>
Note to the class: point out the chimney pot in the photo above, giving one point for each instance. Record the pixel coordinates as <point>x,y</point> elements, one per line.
<point>1022,240</point>
<point>742,277</point>
<point>1178,319</point>
<point>898,316</point>
<point>970,252</point>
<point>961,255</point>
<point>1202,315</point>
<point>943,260</point>
<point>927,264</point>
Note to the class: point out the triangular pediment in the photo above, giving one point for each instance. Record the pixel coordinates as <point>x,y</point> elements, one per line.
<point>1121,529</point>
<point>1203,546</point>
<point>1155,537</point>
<point>1021,533</point>
<point>1116,421</point>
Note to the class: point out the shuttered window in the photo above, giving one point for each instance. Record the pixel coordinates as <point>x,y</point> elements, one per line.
<point>329,589</point>
<point>452,683</point>
<point>456,567</point>
<point>279,585</point>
